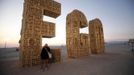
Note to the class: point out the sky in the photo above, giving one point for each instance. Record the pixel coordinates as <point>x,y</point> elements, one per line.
<point>117,17</point>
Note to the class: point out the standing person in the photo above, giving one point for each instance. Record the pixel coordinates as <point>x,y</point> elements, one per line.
<point>45,57</point>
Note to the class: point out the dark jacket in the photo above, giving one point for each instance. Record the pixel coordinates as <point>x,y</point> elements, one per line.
<point>44,53</point>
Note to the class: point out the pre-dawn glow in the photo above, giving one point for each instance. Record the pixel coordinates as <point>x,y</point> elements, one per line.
<point>49,19</point>
<point>116,15</point>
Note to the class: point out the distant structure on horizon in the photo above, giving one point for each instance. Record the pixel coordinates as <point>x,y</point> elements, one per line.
<point>131,43</point>
<point>34,28</point>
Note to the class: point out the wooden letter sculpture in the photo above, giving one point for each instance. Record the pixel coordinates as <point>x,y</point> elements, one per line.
<point>34,28</point>
<point>77,43</point>
<point>96,36</point>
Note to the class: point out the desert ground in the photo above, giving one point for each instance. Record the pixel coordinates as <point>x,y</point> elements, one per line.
<point>117,60</point>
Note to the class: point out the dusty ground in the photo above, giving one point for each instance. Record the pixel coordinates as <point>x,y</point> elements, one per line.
<point>118,60</point>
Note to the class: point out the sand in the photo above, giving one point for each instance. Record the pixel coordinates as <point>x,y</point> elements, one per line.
<point>117,60</point>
